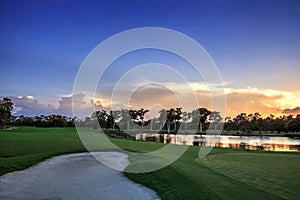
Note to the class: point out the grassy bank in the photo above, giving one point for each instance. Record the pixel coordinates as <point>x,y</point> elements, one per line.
<point>223,174</point>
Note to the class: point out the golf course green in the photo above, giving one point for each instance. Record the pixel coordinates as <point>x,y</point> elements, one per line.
<point>222,174</point>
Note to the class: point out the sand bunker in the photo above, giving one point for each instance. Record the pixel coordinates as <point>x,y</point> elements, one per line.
<point>74,176</point>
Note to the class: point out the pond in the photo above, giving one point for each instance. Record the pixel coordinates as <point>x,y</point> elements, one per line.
<point>267,143</point>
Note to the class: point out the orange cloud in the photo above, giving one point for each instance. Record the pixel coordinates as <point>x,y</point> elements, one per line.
<point>155,96</point>
<point>249,100</point>
<point>265,101</point>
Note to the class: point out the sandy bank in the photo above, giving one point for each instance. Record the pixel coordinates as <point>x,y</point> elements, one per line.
<point>74,176</point>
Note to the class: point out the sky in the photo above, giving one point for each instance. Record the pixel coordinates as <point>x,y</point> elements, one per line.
<point>255,45</point>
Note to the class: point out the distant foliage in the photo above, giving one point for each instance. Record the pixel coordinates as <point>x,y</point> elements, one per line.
<point>168,121</point>
<point>45,121</point>
<point>254,122</point>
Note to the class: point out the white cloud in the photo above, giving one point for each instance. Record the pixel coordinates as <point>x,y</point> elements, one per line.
<point>166,94</point>
<point>29,106</point>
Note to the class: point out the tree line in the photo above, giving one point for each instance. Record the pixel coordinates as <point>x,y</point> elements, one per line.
<point>255,122</point>
<point>168,120</point>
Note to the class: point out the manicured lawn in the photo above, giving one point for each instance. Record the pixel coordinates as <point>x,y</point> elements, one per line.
<point>227,174</point>
<point>223,174</point>
<point>21,148</point>
<point>24,147</point>
<point>275,173</point>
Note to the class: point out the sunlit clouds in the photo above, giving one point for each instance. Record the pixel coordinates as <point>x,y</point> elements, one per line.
<point>238,100</point>
<point>265,101</point>
<point>150,96</point>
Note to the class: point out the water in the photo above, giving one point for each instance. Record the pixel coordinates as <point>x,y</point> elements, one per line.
<point>224,141</point>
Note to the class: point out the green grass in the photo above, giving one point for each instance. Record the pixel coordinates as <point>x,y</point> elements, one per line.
<point>227,174</point>
<point>223,174</point>
<point>275,173</point>
<point>24,147</point>
<point>21,148</point>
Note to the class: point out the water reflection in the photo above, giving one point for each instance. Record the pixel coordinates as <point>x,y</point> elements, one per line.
<point>236,142</point>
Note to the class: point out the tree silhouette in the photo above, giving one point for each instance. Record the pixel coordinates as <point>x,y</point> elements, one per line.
<point>186,116</point>
<point>6,107</point>
<point>200,116</point>
<point>215,119</point>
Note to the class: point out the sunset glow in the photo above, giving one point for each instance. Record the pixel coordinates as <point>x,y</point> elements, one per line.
<point>254,44</point>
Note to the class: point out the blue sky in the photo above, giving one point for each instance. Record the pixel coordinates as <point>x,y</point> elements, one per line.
<point>255,44</point>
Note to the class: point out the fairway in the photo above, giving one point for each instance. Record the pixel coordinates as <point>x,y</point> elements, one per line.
<point>272,172</point>
<point>21,148</point>
<point>227,174</point>
<point>223,174</point>
<point>24,147</point>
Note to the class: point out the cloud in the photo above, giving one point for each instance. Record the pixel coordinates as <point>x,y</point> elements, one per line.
<point>293,111</point>
<point>265,101</point>
<point>29,106</point>
<point>273,98</point>
<point>151,96</point>
<point>180,94</point>
<point>166,95</point>
<point>249,103</point>
<point>66,103</point>
<point>82,102</point>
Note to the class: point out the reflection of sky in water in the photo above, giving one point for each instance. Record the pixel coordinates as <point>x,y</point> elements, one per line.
<point>269,143</point>
<point>255,140</point>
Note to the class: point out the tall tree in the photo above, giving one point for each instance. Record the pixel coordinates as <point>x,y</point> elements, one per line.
<point>162,118</point>
<point>110,121</point>
<point>215,119</point>
<point>186,116</point>
<point>141,116</point>
<point>242,121</point>
<point>6,106</point>
<point>170,118</point>
<point>200,116</point>
<point>125,119</point>
<point>177,117</point>
<point>293,125</point>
